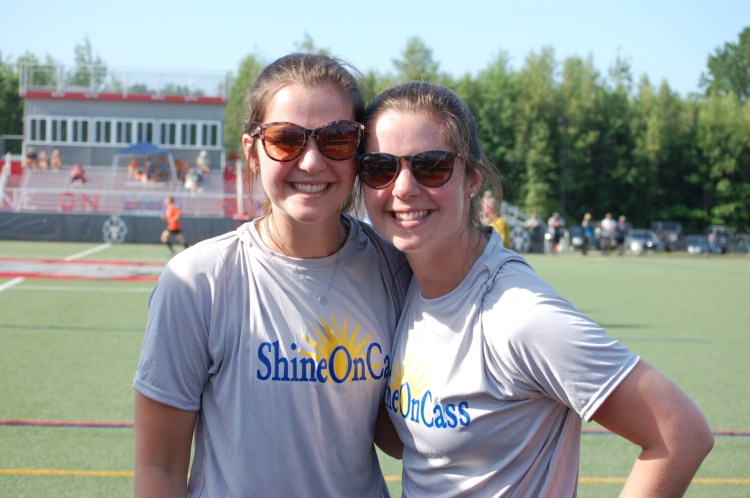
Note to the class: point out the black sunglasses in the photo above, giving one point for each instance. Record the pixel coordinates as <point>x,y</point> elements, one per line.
<point>432,168</point>
<point>285,141</point>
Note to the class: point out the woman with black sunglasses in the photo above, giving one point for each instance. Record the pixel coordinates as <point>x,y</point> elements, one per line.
<point>493,371</point>
<point>269,347</point>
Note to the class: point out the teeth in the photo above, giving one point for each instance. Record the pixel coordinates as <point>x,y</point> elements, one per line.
<point>310,189</point>
<point>411,215</point>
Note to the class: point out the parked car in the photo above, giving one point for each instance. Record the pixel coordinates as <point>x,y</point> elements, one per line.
<point>669,232</point>
<point>641,240</point>
<point>699,244</point>
<point>741,243</point>
<point>720,237</point>
<point>576,237</point>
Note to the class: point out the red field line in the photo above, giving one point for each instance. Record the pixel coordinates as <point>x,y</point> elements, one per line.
<point>49,276</point>
<point>57,261</point>
<point>66,423</point>
<point>73,423</point>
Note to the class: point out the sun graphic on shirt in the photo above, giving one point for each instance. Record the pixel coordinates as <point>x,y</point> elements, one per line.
<point>328,339</point>
<point>409,377</point>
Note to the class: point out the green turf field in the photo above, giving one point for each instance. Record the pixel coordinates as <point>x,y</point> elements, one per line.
<point>68,350</point>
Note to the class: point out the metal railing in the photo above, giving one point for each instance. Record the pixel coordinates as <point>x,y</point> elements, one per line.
<point>95,80</point>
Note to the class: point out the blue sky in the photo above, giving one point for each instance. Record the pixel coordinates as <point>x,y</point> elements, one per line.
<point>665,39</point>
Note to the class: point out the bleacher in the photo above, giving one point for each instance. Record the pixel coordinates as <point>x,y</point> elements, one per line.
<point>110,190</point>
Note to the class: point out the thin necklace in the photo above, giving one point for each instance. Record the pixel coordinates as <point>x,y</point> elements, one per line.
<point>321,298</point>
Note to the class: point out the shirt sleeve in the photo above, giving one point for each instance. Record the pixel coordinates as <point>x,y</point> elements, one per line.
<point>540,345</point>
<point>174,363</point>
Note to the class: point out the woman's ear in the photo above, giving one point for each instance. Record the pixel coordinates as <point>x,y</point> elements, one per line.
<point>250,156</point>
<point>474,182</point>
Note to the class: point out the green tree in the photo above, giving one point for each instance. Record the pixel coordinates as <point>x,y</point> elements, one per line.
<point>416,63</point>
<point>90,71</point>
<point>729,68</point>
<point>234,113</point>
<point>661,139</point>
<point>533,151</point>
<point>307,46</point>
<point>582,123</point>
<point>11,105</point>
<point>492,97</point>
<point>40,75</point>
<point>724,147</point>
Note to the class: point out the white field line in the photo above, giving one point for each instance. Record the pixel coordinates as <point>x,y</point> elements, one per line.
<point>11,283</point>
<point>87,252</point>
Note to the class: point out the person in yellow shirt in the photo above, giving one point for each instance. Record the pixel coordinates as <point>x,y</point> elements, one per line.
<point>492,217</point>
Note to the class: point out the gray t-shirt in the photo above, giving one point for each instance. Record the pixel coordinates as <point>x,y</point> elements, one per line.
<point>287,388</point>
<point>490,383</point>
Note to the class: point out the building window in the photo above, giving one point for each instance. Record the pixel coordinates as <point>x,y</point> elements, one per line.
<point>80,131</point>
<point>59,130</point>
<point>189,134</point>
<point>124,132</point>
<point>145,131</point>
<point>37,129</point>
<point>102,132</point>
<point>168,133</point>
<point>210,135</point>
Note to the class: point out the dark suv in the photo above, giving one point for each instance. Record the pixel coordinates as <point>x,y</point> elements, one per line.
<point>669,232</point>
<point>720,237</point>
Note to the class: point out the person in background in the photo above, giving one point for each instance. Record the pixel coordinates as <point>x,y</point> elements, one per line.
<point>133,169</point>
<point>173,217</point>
<point>147,171</point>
<point>269,346</point>
<point>493,370</point>
<point>55,160</point>
<point>180,168</point>
<point>588,233</point>
<point>192,179</point>
<point>32,158</point>
<point>43,160</point>
<point>556,225</point>
<point>203,162</point>
<point>621,232</point>
<point>492,216</point>
<point>77,174</point>
<point>534,227</point>
<point>608,226</point>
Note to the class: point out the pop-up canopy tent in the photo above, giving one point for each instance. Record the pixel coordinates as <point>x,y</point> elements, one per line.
<point>142,149</point>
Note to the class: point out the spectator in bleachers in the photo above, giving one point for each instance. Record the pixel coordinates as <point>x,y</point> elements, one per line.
<point>43,160</point>
<point>147,172</point>
<point>77,174</point>
<point>55,160</point>
<point>203,163</point>
<point>31,158</point>
<point>161,170</point>
<point>181,168</point>
<point>133,169</point>
<point>192,179</point>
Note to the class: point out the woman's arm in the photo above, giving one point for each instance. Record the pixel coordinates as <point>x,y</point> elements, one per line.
<point>163,439</point>
<point>386,436</point>
<point>652,412</point>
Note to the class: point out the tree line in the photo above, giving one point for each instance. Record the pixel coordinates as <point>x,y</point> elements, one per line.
<point>563,136</point>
